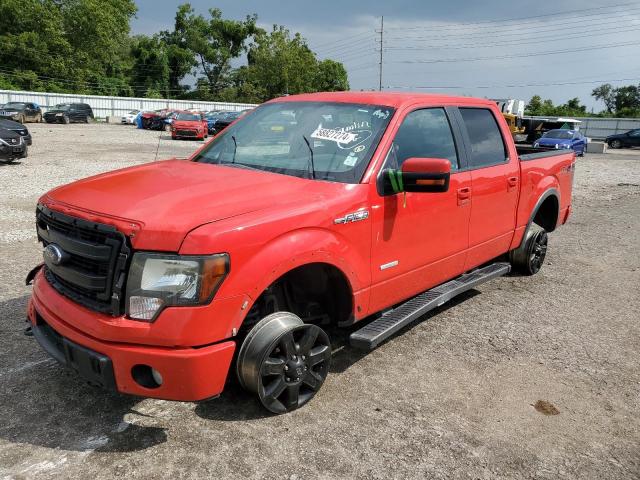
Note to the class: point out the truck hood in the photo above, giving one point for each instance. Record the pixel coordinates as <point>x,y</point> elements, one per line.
<point>165,200</point>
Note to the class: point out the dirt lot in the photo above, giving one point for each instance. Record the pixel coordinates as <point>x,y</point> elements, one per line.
<point>454,397</point>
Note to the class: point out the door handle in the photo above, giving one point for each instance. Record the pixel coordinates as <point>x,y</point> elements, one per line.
<point>464,194</point>
<point>512,182</point>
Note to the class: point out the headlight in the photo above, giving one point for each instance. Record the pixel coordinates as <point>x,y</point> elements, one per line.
<point>536,145</point>
<point>556,145</point>
<point>158,280</point>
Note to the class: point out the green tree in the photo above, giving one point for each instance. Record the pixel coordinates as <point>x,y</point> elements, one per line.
<point>534,107</point>
<point>331,77</point>
<point>213,42</point>
<point>150,70</point>
<point>606,93</point>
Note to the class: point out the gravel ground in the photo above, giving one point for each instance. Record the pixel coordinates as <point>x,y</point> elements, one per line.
<point>522,378</point>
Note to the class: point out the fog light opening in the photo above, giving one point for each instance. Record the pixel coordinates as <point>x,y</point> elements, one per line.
<point>146,376</point>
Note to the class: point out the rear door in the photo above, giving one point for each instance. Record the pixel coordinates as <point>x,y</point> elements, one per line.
<point>419,240</point>
<point>495,179</point>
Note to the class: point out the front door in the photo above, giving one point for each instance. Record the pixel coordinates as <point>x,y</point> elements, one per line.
<point>419,240</point>
<point>495,186</point>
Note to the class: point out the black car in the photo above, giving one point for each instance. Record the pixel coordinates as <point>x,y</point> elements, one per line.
<point>12,146</point>
<point>226,119</point>
<point>69,112</point>
<point>18,128</point>
<point>627,139</point>
<point>21,112</point>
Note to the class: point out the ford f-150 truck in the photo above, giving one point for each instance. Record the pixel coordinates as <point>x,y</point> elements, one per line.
<point>312,212</point>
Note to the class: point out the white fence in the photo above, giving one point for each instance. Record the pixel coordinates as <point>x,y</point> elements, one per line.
<point>114,106</point>
<point>600,128</point>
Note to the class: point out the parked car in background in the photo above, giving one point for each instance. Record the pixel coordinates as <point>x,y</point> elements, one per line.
<point>12,146</point>
<point>189,125</point>
<point>567,139</point>
<point>627,139</point>
<point>69,112</point>
<point>212,117</point>
<point>18,128</point>
<point>226,119</point>
<point>21,112</point>
<point>130,118</point>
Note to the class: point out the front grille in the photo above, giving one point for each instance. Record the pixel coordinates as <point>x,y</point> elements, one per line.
<point>93,271</point>
<point>186,133</point>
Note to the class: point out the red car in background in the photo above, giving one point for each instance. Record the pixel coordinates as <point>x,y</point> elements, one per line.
<point>189,125</point>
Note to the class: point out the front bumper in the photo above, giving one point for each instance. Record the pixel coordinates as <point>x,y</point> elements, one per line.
<point>188,374</point>
<point>13,152</point>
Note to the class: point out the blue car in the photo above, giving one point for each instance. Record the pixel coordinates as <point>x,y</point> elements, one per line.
<point>563,139</point>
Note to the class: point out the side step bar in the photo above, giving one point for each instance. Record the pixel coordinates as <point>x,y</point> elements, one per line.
<point>374,333</point>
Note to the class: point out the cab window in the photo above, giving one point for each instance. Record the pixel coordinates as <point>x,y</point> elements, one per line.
<point>486,142</point>
<point>424,133</point>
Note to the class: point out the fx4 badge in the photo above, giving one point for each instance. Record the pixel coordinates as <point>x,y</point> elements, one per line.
<point>353,217</point>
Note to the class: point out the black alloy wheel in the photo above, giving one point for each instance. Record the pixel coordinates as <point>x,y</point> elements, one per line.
<point>616,144</point>
<point>537,251</point>
<point>284,361</point>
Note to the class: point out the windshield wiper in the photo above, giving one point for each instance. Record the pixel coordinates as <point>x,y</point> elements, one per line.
<point>313,168</point>
<point>235,148</point>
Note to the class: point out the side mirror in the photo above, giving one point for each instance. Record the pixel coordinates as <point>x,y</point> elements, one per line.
<point>418,175</point>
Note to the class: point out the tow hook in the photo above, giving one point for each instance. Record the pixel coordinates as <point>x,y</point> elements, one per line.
<point>28,331</point>
<point>32,274</point>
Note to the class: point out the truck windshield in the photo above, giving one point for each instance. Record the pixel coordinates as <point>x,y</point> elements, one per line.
<point>188,117</point>
<point>560,134</point>
<point>318,140</point>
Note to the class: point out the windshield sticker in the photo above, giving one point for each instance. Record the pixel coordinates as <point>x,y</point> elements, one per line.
<point>351,160</point>
<point>380,114</point>
<point>359,149</point>
<point>338,136</point>
<point>348,137</point>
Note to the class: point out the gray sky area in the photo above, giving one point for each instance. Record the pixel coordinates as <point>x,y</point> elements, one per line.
<point>491,48</point>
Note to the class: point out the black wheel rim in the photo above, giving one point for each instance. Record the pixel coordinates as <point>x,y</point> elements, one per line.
<point>294,368</point>
<point>538,252</point>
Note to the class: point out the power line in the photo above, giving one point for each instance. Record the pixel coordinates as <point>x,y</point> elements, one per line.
<point>553,84</point>
<point>607,31</point>
<point>519,55</point>
<point>530,31</point>
<point>520,20</point>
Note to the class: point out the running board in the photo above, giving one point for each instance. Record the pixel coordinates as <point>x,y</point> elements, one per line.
<point>374,333</point>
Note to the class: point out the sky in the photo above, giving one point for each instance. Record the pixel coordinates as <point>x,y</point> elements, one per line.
<point>490,48</point>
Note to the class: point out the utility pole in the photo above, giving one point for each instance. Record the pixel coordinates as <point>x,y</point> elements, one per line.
<point>381,49</point>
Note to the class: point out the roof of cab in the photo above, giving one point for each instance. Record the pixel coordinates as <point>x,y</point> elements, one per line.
<point>388,99</point>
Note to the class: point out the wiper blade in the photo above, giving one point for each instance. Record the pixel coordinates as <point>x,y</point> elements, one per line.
<point>313,168</point>
<point>235,148</point>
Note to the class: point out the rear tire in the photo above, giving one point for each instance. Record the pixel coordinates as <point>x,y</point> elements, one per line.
<point>529,257</point>
<point>284,361</point>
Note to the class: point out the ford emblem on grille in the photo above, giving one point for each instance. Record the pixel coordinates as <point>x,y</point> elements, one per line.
<point>54,254</point>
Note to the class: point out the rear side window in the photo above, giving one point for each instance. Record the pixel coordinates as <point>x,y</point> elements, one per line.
<point>424,133</point>
<point>487,145</point>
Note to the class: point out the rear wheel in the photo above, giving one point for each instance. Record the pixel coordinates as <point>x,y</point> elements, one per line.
<point>529,257</point>
<point>284,361</point>
<point>616,144</point>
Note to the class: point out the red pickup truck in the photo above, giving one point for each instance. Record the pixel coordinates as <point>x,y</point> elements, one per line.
<point>312,211</point>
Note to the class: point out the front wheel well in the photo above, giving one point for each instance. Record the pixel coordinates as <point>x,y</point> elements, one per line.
<point>317,293</point>
<point>547,213</point>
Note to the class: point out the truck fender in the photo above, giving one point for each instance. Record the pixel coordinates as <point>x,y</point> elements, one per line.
<point>550,192</point>
<point>301,247</point>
